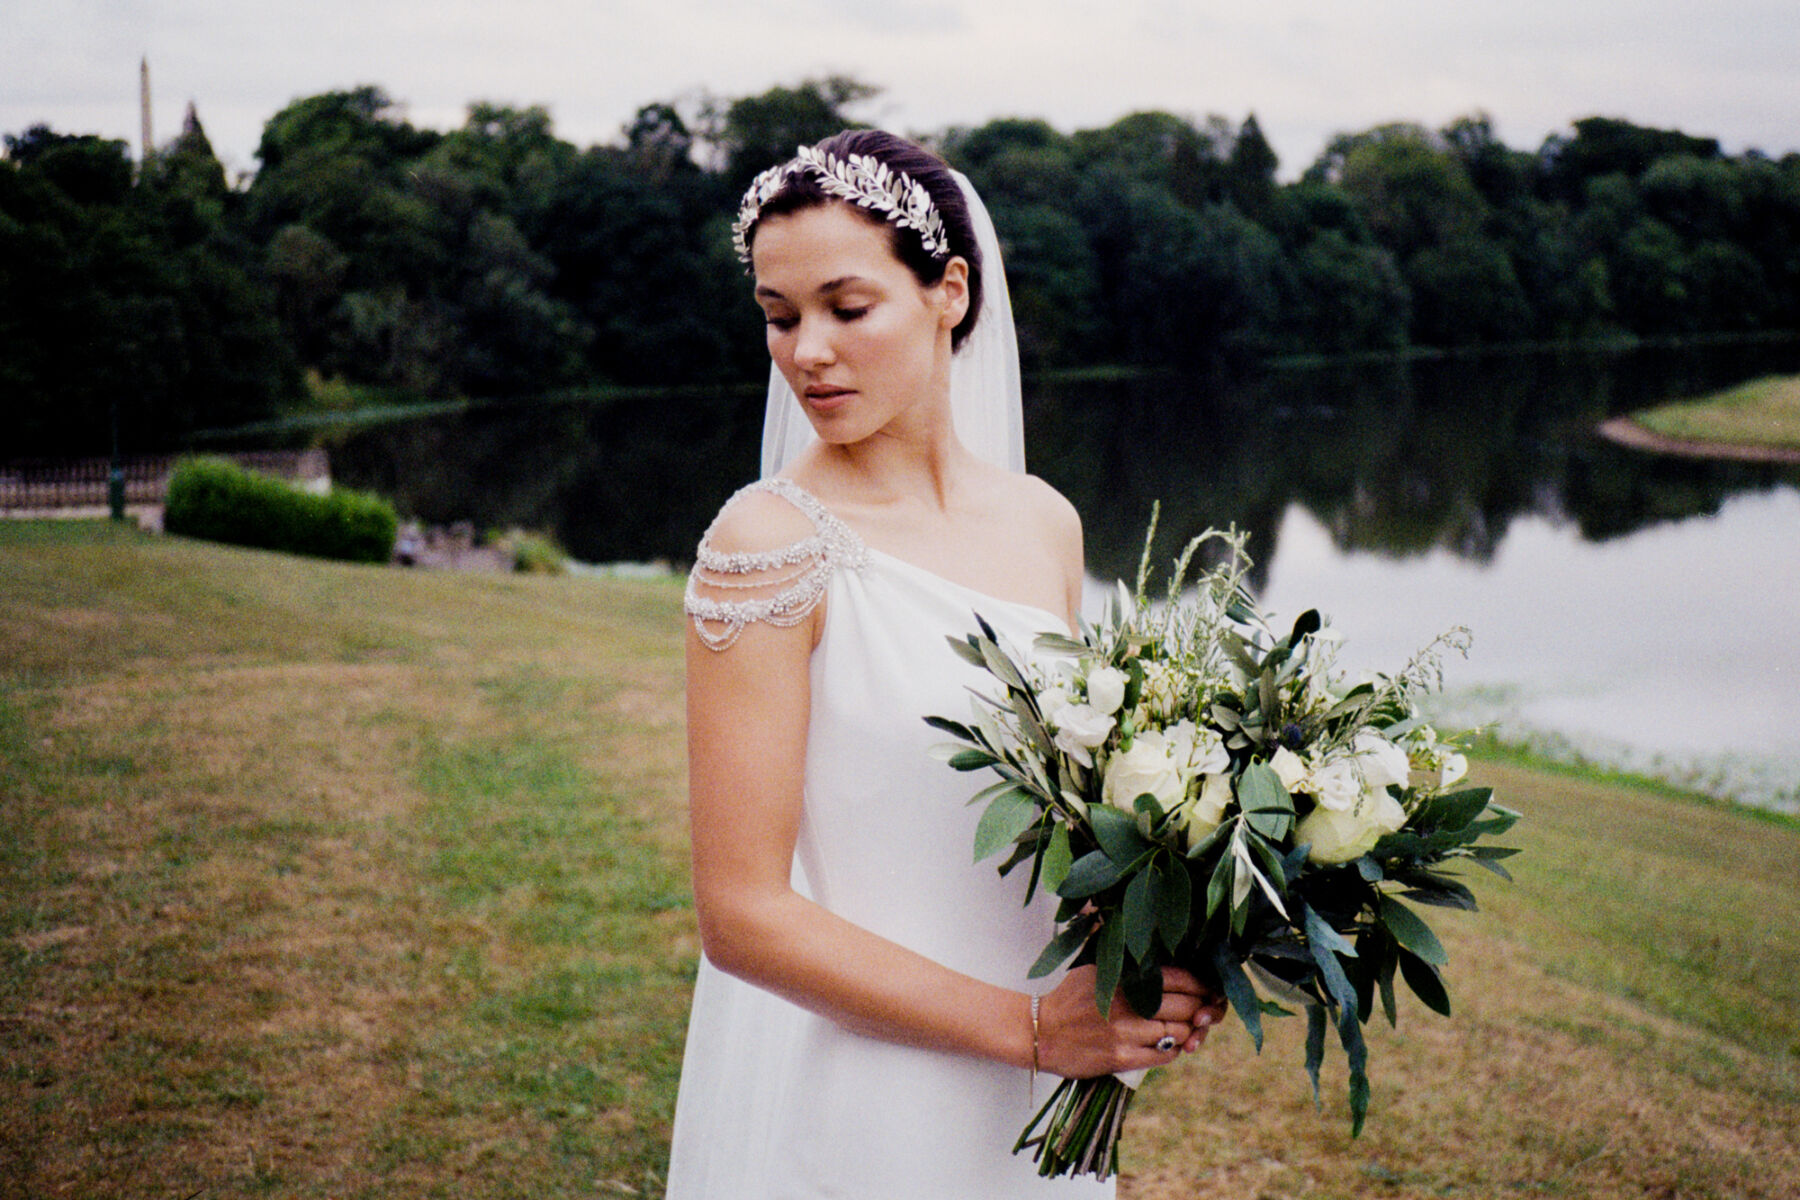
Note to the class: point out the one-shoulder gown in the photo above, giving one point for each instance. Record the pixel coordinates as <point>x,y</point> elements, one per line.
<point>777,1103</point>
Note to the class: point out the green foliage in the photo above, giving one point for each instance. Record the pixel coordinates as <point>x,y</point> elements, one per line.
<point>219,501</point>
<point>129,301</point>
<point>499,261</point>
<point>532,553</point>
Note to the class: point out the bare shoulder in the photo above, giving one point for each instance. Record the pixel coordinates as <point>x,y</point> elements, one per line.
<point>1048,513</point>
<point>757,521</point>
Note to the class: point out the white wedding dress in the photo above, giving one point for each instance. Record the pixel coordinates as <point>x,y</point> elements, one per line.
<point>777,1103</point>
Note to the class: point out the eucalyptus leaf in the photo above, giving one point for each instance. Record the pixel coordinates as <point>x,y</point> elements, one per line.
<point>1092,873</point>
<point>1260,790</point>
<point>1109,965</point>
<point>1057,858</point>
<point>1206,844</point>
<point>987,794</point>
<point>1411,932</point>
<point>1117,833</point>
<point>1220,883</point>
<point>1316,1022</point>
<point>1320,940</point>
<point>1143,990</point>
<point>1357,1054</point>
<point>1390,958</point>
<point>1010,814</point>
<point>971,760</point>
<point>1063,946</point>
<point>967,650</point>
<point>1174,900</point>
<point>1441,891</point>
<point>1453,810</point>
<point>1139,914</point>
<point>1056,643</point>
<point>1239,992</point>
<point>1000,665</point>
<point>1424,980</point>
<point>953,728</point>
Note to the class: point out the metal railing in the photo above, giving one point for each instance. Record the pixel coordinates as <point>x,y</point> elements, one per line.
<point>50,484</point>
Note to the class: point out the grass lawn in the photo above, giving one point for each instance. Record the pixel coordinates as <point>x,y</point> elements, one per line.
<point>1763,412</point>
<point>331,881</point>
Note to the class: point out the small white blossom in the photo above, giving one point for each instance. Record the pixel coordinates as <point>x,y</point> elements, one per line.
<point>1106,689</point>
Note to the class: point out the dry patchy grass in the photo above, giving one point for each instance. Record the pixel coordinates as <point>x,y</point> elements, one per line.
<point>336,881</point>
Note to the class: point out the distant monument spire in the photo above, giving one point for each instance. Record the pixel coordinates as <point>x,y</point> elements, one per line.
<point>148,146</point>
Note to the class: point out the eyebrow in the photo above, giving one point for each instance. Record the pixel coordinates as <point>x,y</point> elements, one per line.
<point>830,285</point>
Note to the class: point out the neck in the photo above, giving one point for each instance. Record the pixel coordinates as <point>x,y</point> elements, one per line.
<point>918,458</point>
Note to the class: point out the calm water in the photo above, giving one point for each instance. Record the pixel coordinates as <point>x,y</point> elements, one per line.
<point>1637,608</point>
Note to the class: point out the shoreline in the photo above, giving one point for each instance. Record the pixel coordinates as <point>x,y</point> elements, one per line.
<point>1626,432</point>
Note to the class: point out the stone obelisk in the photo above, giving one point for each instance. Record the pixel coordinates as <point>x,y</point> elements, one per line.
<point>147,147</point>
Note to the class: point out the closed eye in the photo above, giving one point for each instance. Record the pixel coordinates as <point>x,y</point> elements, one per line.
<point>851,314</point>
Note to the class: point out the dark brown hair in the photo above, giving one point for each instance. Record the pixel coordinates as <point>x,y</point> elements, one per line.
<point>801,190</point>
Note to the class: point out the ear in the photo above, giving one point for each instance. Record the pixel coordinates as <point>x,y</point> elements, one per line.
<point>954,288</point>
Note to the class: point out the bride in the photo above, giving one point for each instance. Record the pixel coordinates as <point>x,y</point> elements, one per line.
<point>863,1025</point>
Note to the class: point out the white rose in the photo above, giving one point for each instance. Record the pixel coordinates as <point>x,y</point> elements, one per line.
<point>1201,815</point>
<point>1106,689</point>
<point>1145,768</point>
<point>1382,762</point>
<point>1453,768</point>
<point>1337,785</point>
<point>1210,755</point>
<point>1290,769</point>
<point>1335,836</point>
<point>1079,729</point>
<point>1385,812</point>
<point>1178,743</point>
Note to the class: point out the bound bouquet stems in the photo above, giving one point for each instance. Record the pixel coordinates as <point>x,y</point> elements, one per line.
<point>1085,1118</point>
<point>1203,792</point>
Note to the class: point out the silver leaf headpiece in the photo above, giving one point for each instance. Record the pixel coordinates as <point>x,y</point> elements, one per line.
<point>863,180</point>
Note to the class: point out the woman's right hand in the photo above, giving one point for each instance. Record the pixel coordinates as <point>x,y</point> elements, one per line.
<point>1076,1041</point>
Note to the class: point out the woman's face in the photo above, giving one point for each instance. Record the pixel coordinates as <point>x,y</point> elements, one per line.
<point>863,345</point>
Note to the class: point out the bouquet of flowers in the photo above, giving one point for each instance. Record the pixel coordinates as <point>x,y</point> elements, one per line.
<point>1203,793</point>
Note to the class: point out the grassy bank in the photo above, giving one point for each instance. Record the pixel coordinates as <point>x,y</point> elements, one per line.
<point>320,880</point>
<point>1763,412</point>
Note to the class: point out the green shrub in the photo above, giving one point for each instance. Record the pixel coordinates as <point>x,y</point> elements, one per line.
<point>531,553</point>
<point>217,500</point>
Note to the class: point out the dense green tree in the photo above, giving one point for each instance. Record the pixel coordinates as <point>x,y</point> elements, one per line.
<point>127,299</point>
<point>1250,171</point>
<point>754,133</point>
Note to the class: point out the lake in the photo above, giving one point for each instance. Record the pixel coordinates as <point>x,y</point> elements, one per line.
<point>1632,608</point>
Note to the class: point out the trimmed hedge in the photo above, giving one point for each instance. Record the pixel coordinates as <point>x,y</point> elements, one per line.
<point>220,501</point>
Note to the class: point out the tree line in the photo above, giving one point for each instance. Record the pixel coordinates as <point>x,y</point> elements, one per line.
<point>499,261</point>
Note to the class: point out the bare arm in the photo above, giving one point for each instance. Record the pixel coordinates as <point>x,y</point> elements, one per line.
<point>748,710</point>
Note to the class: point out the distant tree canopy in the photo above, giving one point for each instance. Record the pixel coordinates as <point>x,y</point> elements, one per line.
<point>497,260</point>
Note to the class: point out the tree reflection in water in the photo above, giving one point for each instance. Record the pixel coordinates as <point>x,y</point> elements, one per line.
<point>1394,458</point>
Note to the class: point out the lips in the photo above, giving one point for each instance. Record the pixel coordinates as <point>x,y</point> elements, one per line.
<point>824,398</point>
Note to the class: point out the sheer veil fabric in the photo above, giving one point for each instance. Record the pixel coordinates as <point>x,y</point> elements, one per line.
<point>984,375</point>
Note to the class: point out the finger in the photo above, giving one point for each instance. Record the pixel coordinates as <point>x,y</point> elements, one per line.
<point>1177,980</point>
<point>1179,1006</point>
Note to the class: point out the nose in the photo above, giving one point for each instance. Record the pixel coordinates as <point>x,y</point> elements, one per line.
<point>812,345</point>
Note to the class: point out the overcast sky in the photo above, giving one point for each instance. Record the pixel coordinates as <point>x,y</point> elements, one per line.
<point>1307,68</point>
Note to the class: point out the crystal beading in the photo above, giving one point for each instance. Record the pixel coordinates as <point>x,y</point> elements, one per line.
<point>863,180</point>
<point>801,571</point>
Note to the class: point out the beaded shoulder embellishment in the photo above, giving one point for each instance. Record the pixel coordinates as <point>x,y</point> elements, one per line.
<point>790,580</point>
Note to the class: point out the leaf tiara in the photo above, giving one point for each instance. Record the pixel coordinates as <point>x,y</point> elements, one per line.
<point>863,180</point>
